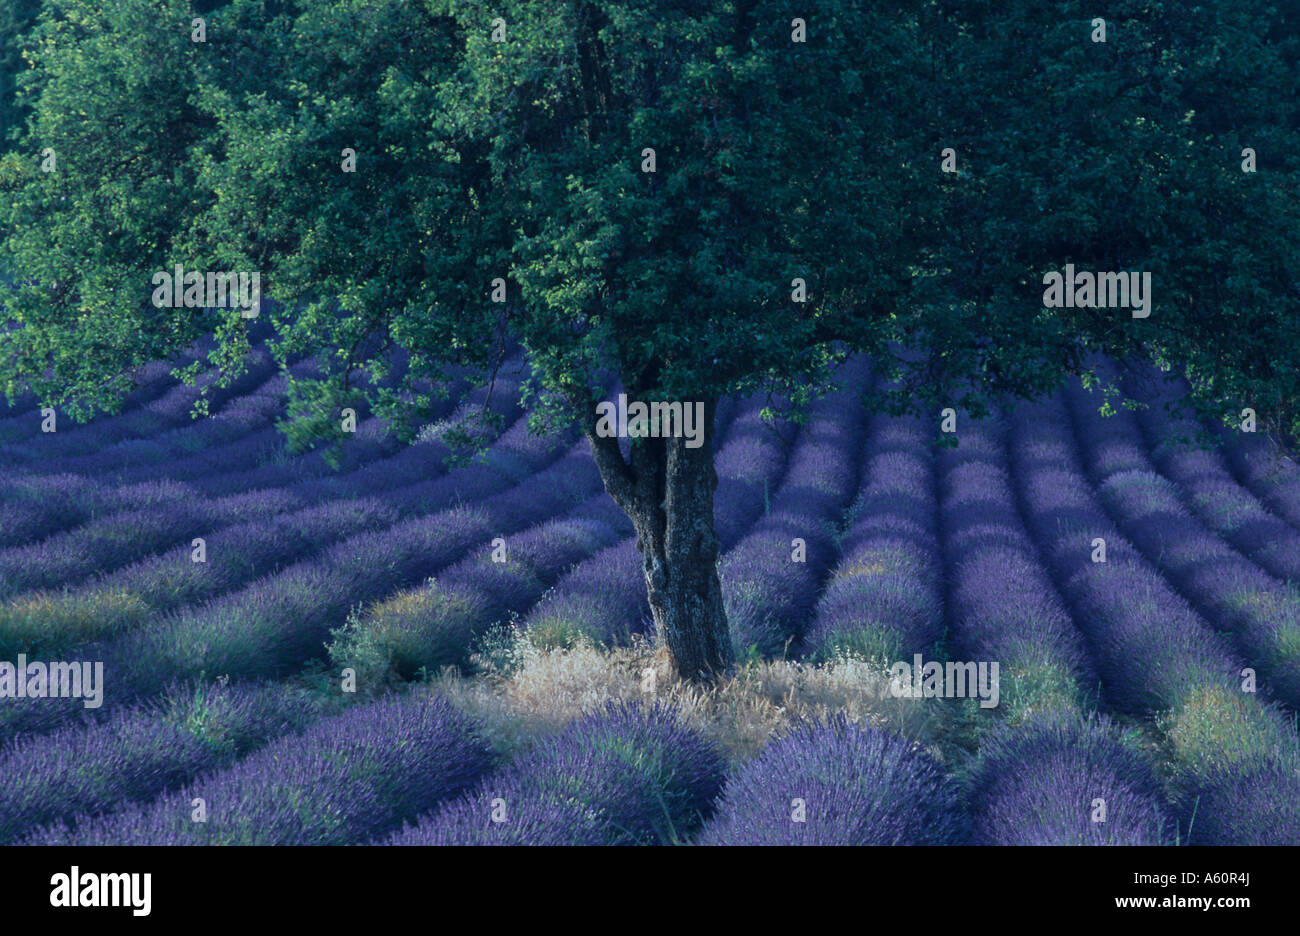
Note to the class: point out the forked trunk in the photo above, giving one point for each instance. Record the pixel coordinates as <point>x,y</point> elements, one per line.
<point>679,554</point>
<point>667,491</point>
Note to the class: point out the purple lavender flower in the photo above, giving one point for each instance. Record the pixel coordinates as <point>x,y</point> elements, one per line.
<point>138,753</point>
<point>1061,779</point>
<point>1232,594</point>
<point>345,780</point>
<point>1152,650</point>
<point>884,599</point>
<point>1255,802</point>
<point>837,783</point>
<point>630,775</point>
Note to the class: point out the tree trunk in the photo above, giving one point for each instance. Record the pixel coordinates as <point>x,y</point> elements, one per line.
<point>667,491</point>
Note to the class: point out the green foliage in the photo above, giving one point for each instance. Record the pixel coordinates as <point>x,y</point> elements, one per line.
<point>421,629</point>
<point>775,160</point>
<point>16,18</point>
<point>314,416</point>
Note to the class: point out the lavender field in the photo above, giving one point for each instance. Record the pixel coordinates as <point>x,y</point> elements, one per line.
<point>398,649</point>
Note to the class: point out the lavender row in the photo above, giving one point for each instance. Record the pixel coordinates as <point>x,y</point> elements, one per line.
<point>411,465</point>
<point>34,507</point>
<point>57,622</point>
<point>140,752</point>
<point>99,546</point>
<point>630,775</point>
<point>265,465</point>
<point>884,600</point>
<point>1151,647</point>
<point>1061,778</point>
<point>345,780</point>
<point>1002,603</point>
<point>151,381</point>
<point>438,623</point>
<point>148,383</point>
<point>1268,472</point>
<point>239,428</point>
<point>39,505</point>
<point>121,538</point>
<point>771,579</point>
<point>1236,771</point>
<point>1040,779</point>
<point>250,414</point>
<point>1233,594</point>
<point>124,537</point>
<point>750,466</point>
<point>1216,497</point>
<point>1155,655</point>
<point>234,555</point>
<point>172,410</point>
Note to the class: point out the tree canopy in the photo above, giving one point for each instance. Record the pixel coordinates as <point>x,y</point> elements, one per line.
<point>775,160</point>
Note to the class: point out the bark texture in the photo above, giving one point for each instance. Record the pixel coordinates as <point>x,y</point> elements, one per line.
<point>667,490</point>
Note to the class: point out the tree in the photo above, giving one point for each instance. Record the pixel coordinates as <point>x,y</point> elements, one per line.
<point>701,198</point>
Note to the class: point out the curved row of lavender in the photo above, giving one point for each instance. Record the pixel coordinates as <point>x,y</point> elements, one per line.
<point>1002,604</point>
<point>108,542</point>
<point>1261,613</point>
<point>111,541</point>
<point>1266,471</point>
<point>37,502</point>
<point>1206,485</point>
<point>1236,762</point>
<point>37,507</point>
<point>287,525</point>
<point>147,384</point>
<point>439,623</point>
<point>772,577</point>
<point>22,422</point>
<point>347,779</point>
<point>86,446</point>
<point>269,628</point>
<point>90,496</point>
<point>249,415</point>
<point>157,403</point>
<point>144,749</point>
<point>140,751</point>
<point>1045,774</point>
<point>884,600</point>
<point>278,615</point>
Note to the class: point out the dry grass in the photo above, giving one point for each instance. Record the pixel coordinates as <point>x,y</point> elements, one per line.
<point>543,689</point>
